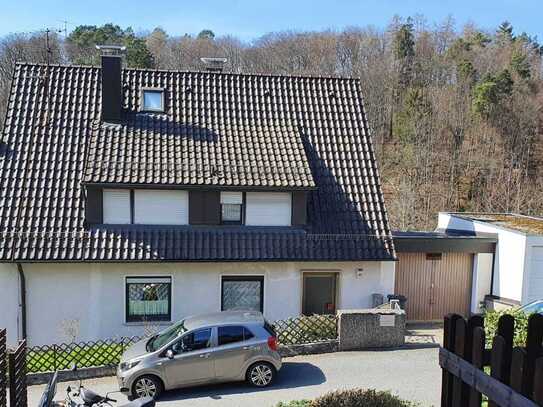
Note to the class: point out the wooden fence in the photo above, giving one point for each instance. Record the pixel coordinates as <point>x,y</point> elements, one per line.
<point>3,368</point>
<point>17,376</point>
<point>516,374</point>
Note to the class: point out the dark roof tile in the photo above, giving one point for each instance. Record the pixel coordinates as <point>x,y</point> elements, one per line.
<point>219,129</point>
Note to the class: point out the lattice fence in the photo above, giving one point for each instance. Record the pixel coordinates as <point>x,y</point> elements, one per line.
<point>17,376</point>
<point>84,354</point>
<point>315,328</point>
<point>3,368</point>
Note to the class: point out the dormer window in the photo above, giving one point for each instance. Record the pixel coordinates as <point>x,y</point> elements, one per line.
<point>152,100</point>
<point>231,207</point>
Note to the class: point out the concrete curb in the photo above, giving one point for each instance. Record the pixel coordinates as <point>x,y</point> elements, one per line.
<point>102,371</point>
<point>68,375</point>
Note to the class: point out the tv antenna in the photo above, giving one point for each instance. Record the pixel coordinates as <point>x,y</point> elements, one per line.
<point>48,44</point>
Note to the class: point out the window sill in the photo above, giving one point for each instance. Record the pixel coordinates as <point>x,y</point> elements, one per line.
<point>148,323</point>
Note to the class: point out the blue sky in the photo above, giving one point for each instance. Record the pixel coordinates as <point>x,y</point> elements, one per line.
<point>248,19</point>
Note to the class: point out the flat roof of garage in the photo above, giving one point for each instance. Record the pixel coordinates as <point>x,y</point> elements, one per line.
<point>532,225</point>
<point>444,242</point>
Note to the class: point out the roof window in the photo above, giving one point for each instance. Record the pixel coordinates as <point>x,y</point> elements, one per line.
<point>152,100</point>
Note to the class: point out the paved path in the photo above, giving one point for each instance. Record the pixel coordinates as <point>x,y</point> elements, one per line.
<point>412,373</point>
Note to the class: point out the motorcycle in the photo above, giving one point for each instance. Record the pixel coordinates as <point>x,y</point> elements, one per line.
<point>83,397</point>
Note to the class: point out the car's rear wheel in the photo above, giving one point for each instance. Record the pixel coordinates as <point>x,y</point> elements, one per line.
<point>147,386</point>
<point>260,374</point>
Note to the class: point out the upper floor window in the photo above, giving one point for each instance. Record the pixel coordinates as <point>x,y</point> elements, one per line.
<point>145,207</point>
<point>161,207</point>
<point>116,206</point>
<point>152,100</point>
<point>231,207</point>
<point>268,208</point>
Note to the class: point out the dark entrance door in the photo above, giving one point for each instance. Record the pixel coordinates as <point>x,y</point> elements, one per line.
<point>319,295</point>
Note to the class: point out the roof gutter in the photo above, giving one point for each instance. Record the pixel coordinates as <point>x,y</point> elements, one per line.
<point>22,299</point>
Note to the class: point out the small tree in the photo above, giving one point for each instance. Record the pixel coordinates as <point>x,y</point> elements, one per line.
<point>69,328</point>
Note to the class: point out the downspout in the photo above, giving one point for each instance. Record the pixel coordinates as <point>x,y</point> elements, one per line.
<point>22,300</point>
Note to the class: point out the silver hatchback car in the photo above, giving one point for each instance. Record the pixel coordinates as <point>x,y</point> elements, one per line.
<point>209,348</point>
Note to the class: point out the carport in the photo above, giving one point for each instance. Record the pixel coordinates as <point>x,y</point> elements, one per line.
<point>443,272</point>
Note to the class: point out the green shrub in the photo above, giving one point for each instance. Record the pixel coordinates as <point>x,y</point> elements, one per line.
<point>352,398</point>
<point>521,325</point>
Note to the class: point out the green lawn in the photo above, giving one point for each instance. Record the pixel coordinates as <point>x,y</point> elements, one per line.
<point>49,359</point>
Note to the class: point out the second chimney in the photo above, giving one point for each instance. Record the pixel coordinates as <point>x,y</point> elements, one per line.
<point>111,83</point>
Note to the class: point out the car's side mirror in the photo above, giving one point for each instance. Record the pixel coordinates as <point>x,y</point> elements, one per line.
<point>170,354</point>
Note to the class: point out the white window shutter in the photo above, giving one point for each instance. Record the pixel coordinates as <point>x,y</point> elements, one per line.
<point>268,209</point>
<point>235,198</point>
<point>116,206</point>
<point>161,207</point>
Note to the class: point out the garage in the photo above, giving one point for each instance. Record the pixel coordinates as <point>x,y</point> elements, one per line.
<point>434,283</point>
<point>535,275</point>
<point>437,272</point>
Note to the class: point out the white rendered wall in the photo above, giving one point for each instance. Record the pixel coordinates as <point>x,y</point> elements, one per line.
<point>9,301</point>
<point>510,254</point>
<point>533,276</point>
<point>93,294</point>
<point>482,280</point>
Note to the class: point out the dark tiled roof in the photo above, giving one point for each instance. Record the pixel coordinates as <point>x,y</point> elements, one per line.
<point>246,130</point>
<point>217,130</point>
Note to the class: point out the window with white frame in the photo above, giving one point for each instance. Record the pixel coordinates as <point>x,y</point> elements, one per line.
<point>148,299</point>
<point>152,100</point>
<point>116,206</point>
<point>231,207</point>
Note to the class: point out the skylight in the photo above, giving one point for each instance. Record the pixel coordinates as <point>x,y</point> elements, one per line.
<point>153,100</point>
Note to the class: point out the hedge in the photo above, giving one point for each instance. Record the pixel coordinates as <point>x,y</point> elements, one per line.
<point>521,325</point>
<point>353,398</point>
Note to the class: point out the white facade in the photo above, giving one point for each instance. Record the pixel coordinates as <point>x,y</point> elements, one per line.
<point>481,280</point>
<point>518,261</point>
<point>91,296</point>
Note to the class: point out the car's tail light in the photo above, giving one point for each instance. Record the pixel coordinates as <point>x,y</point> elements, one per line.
<point>272,343</point>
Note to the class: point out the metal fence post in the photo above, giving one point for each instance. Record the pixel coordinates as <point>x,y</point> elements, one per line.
<point>12,379</point>
<point>55,357</point>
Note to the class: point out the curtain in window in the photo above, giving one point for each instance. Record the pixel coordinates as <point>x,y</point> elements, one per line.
<point>148,299</point>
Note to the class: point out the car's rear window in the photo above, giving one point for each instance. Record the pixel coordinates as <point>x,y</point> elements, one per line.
<point>269,327</point>
<point>231,334</point>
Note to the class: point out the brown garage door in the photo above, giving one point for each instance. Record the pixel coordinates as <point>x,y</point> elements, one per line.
<point>434,284</point>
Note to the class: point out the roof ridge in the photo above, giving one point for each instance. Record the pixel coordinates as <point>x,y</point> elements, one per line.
<point>256,74</point>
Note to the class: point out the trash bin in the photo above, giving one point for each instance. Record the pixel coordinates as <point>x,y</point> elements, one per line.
<point>401,298</point>
<point>376,300</point>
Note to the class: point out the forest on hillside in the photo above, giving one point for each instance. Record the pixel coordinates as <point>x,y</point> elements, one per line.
<point>456,112</point>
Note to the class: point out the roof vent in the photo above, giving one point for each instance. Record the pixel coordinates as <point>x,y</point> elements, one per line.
<point>214,64</point>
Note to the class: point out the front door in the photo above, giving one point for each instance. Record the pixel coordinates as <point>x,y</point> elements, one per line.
<point>319,296</point>
<point>193,360</point>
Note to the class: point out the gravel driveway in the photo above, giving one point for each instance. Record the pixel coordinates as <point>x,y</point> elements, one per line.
<point>412,373</point>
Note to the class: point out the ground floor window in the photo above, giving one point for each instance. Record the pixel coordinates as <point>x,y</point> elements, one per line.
<point>242,293</point>
<point>148,299</point>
